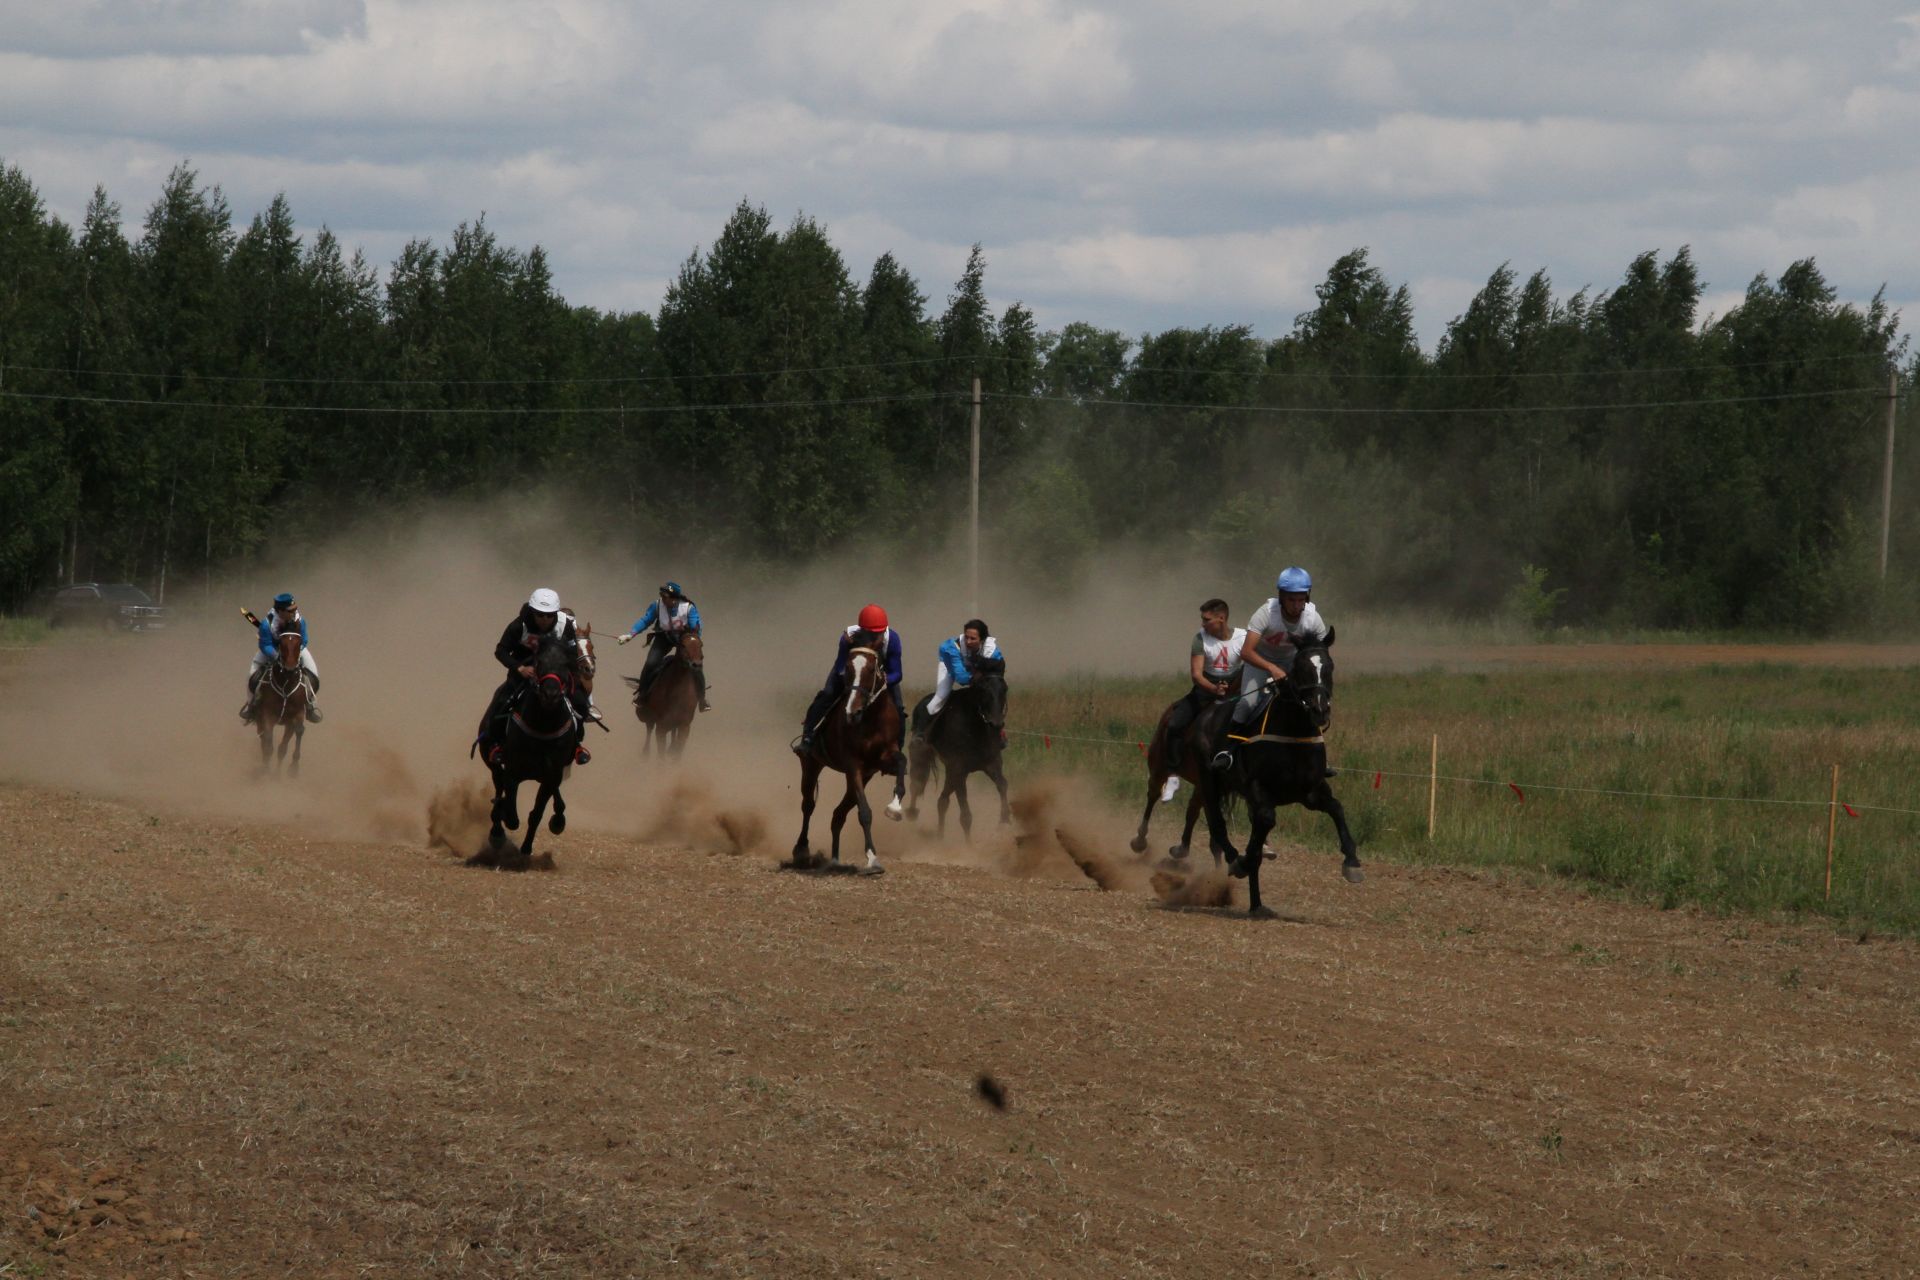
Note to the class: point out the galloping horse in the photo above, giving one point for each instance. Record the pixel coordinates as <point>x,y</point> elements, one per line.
<point>668,705</point>
<point>1192,764</point>
<point>966,738</point>
<point>542,732</point>
<point>860,737</point>
<point>1282,760</point>
<point>282,702</point>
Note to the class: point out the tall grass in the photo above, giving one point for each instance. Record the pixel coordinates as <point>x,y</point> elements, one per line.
<point>1758,742</point>
<point>21,632</point>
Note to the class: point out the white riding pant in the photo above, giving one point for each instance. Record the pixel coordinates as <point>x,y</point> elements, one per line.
<point>942,687</point>
<point>306,661</point>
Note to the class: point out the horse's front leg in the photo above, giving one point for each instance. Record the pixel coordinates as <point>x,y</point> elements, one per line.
<point>558,823</point>
<point>506,802</point>
<point>857,783</point>
<point>1323,800</point>
<point>1194,807</point>
<point>920,764</point>
<point>999,779</point>
<point>854,796</point>
<point>895,808</point>
<point>1217,840</point>
<point>809,784</point>
<point>540,798</point>
<point>1248,864</point>
<point>299,731</point>
<point>966,810</point>
<point>265,732</point>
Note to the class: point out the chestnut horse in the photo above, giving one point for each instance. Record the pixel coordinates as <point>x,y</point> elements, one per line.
<point>668,705</point>
<point>282,702</point>
<point>860,737</point>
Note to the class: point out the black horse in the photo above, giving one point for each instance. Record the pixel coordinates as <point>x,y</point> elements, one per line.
<point>967,739</point>
<point>543,731</point>
<point>1281,759</point>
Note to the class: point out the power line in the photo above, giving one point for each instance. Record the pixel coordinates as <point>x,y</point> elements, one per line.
<point>619,410</point>
<point>1402,411</point>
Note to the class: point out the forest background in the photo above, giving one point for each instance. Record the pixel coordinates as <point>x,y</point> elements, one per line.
<point>171,404</point>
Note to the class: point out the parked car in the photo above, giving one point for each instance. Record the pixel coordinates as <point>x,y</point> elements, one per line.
<point>114,606</point>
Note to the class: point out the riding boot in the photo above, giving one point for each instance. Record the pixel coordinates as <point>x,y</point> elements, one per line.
<point>253,697</point>
<point>700,683</point>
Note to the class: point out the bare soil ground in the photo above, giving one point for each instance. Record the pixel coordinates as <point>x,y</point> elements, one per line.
<point>236,1049</point>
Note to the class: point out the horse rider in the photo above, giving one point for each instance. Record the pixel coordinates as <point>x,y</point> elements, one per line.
<point>540,616</point>
<point>957,656</point>
<point>283,616</point>
<point>673,617</point>
<point>869,632</point>
<point>1288,618</point>
<point>1214,666</point>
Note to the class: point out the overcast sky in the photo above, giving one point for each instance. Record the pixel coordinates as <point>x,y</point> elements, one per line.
<point>1136,164</point>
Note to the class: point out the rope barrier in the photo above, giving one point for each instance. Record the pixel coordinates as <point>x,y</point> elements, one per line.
<point>1852,810</point>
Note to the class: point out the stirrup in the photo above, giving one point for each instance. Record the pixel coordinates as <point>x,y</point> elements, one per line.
<point>1222,760</point>
<point>582,756</point>
<point>313,714</point>
<point>801,746</point>
<point>1329,772</point>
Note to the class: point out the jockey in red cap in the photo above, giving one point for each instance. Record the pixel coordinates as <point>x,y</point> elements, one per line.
<point>870,632</point>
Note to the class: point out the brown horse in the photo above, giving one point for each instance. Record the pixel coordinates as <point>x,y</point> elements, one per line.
<point>282,703</point>
<point>668,705</point>
<point>1193,756</point>
<point>860,737</point>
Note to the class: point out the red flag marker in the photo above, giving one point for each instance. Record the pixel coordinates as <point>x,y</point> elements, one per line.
<point>1048,739</point>
<point>1517,791</point>
<point>1376,780</point>
<point>1142,746</point>
<point>1849,809</point>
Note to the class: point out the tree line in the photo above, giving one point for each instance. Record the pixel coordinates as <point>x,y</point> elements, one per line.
<point>171,402</point>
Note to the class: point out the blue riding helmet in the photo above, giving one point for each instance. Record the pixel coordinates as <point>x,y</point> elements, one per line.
<point>283,600</point>
<point>671,589</point>
<point>1294,579</point>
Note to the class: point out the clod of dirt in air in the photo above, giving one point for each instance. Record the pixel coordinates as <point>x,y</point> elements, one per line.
<point>744,831</point>
<point>458,817</point>
<point>1097,869</point>
<point>991,1092</point>
<point>690,814</point>
<point>1177,889</point>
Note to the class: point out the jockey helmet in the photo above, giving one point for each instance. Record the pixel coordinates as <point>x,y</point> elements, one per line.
<point>544,600</point>
<point>1294,579</point>
<point>671,589</point>
<point>873,618</point>
<point>284,600</point>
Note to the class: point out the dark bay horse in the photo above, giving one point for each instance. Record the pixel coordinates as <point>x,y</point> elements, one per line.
<point>1192,764</point>
<point>282,703</point>
<point>965,739</point>
<point>669,703</point>
<point>542,732</point>
<point>1281,760</point>
<point>861,738</point>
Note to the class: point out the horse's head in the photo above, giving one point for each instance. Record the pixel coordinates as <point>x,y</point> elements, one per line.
<point>553,669</point>
<point>866,681</point>
<point>287,649</point>
<point>1312,678</point>
<point>990,691</point>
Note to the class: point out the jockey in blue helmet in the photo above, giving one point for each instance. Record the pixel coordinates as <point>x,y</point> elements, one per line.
<point>1286,620</point>
<point>283,616</point>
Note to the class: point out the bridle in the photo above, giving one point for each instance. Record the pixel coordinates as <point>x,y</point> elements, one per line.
<point>865,679</point>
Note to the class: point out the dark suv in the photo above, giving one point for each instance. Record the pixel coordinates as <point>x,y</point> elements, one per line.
<point>116,606</point>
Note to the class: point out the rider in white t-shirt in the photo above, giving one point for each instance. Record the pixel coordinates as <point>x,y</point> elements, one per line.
<point>1214,664</point>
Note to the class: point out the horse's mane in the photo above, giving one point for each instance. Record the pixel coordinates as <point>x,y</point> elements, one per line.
<point>551,656</point>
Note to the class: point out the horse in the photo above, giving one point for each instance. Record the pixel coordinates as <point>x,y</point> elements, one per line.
<point>543,730</point>
<point>1282,760</point>
<point>860,737</point>
<point>282,702</point>
<point>669,703</point>
<point>966,738</point>
<point>1192,766</point>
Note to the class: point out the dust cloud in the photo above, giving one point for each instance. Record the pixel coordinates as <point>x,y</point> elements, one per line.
<point>403,618</point>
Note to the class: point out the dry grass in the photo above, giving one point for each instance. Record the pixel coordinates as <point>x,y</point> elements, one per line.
<point>320,1058</point>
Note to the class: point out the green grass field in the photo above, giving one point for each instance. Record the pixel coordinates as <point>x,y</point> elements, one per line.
<point>1761,741</point>
<point>18,633</point>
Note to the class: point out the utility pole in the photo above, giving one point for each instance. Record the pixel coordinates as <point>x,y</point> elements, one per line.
<point>973,600</point>
<point>1886,473</point>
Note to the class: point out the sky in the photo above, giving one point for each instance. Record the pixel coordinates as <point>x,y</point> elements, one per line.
<point>1134,164</point>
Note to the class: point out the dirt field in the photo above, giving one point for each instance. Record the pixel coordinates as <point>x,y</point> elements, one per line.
<point>234,1050</point>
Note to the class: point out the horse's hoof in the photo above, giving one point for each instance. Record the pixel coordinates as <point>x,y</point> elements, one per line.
<point>511,822</point>
<point>557,823</point>
<point>1352,873</point>
<point>1138,844</point>
<point>875,870</point>
<point>894,811</point>
<point>1238,868</point>
<point>1262,913</point>
<point>1177,852</point>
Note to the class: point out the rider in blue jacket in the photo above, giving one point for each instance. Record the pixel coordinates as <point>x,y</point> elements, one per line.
<point>283,616</point>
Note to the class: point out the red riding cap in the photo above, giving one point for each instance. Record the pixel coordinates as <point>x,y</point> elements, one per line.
<point>873,618</point>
